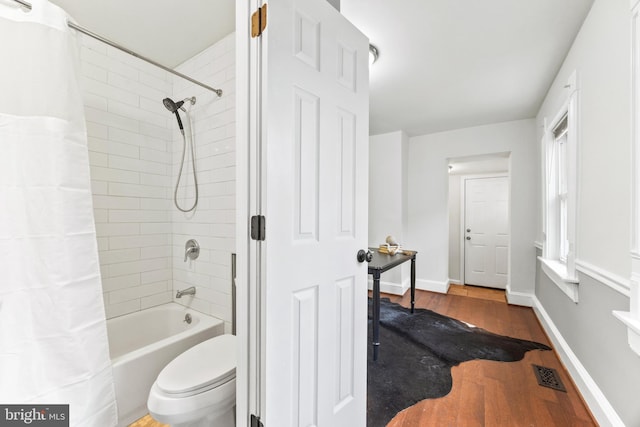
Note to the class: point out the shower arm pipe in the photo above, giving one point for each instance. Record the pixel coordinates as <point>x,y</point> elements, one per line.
<point>129,51</point>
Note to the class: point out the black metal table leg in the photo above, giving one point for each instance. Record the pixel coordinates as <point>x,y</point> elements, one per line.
<point>376,314</point>
<point>378,264</point>
<point>413,282</point>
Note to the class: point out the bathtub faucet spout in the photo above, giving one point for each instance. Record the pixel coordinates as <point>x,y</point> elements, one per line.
<point>188,291</point>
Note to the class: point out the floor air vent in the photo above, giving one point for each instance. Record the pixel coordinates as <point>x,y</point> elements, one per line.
<point>548,377</point>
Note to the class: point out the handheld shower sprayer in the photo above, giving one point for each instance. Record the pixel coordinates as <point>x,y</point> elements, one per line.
<point>175,106</point>
<point>171,105</point>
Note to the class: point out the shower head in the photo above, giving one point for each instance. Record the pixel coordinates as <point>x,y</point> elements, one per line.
<point>171,105</point>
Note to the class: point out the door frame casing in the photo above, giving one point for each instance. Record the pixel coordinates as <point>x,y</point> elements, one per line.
<point>463,195</point>
<point>250,363</point>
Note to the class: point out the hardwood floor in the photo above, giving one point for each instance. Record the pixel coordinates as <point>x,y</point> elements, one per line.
<point>489,393</point>
<point>478,292</point>
<point>147,421</point>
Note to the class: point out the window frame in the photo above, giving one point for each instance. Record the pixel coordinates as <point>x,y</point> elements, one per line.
<point>558,250</point>
<point>561,189</point>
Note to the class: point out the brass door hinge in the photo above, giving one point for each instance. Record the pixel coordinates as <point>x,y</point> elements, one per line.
<point>259,21</point>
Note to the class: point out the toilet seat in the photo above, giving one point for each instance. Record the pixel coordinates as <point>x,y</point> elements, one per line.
<point>201,368</point>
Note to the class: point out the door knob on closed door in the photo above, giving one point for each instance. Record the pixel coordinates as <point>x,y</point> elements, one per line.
<point>364,256</point>
<point>468,230</point>
<point>468,237</point>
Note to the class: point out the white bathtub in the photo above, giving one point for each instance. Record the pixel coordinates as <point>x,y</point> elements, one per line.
<point>142,343</point>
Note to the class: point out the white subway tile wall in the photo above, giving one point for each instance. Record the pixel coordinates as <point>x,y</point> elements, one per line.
<point>213,222</point>
<point>135,150</point>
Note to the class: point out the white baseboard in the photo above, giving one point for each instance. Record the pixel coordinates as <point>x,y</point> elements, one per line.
<point>455,282</point>
<point>433,286</point>
<point>519,298</point>
<point>392,287</point>
<point>593,396</point>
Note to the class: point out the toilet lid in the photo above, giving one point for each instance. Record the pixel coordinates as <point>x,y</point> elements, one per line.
<point>205,365</point>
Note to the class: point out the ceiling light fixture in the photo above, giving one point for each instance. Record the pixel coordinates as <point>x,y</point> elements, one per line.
<point>373,54</point>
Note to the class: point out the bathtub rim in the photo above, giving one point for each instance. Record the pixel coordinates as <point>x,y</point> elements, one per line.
<point>205,321</point>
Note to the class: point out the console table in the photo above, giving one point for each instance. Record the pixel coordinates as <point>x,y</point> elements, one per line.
<point>378,265</point>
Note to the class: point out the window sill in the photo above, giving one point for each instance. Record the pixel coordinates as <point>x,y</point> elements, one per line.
<point>633,329</point>
<point>557,272</point>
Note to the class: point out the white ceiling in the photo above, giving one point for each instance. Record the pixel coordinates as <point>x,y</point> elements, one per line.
<point>444,64</point>
<point>167,31</point>
<point>449,64</point>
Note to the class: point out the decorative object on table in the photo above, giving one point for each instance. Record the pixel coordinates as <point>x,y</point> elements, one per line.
<point>420,350</point>
<point>390,246</point>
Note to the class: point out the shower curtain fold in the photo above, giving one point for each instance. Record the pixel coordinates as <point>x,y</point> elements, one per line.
<point>53,339</point>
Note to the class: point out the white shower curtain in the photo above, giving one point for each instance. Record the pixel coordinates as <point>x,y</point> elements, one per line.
<point>53,340</point>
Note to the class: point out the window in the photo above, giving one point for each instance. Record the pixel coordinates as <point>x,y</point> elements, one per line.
<point>561,143</point>
<point>558,191</point>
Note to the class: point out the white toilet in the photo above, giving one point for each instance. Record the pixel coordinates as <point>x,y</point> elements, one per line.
<point>198,388</point>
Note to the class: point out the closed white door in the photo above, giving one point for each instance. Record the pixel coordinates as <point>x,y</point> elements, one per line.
<point>486,232</point>
<point>313,193</point>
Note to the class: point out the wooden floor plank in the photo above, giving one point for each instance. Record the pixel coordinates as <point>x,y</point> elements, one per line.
<point>148,421</point>
<point>471,410</point>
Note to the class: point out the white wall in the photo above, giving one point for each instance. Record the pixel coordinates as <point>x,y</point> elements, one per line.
<point>428,220</point>
<point>128,137</point>
<point>133,149</point>
<point>601,57</point>
<point>388,200</point>
<point>387,204</point>
<point>604,367</point>
<point>212,224</point>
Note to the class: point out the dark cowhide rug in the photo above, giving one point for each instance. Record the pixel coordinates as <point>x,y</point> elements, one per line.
<point>417,352</point>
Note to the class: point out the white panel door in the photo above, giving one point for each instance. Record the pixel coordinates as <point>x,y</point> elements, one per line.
<point>486,232</point>
<point>314,196</point>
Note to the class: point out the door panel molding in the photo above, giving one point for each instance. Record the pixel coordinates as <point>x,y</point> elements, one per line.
<point>313,134</point>
<point>463,234</point>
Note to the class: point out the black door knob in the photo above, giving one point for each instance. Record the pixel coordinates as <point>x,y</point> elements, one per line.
<point>468,238</point>
<point>364,256</point>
